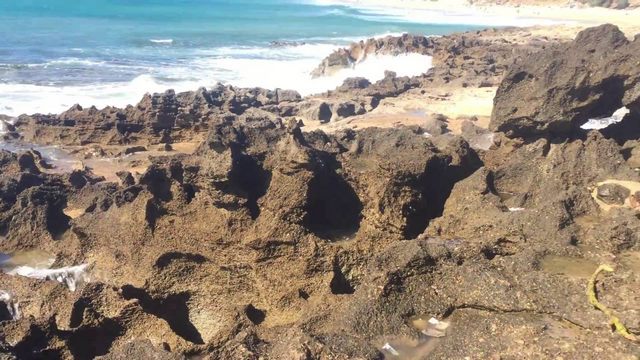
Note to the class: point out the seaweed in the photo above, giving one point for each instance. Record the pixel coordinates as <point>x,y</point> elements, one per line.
<point>593,300</point>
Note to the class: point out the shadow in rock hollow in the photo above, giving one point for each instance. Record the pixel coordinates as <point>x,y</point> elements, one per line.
<point>173,309</point>
<point>333,209</point>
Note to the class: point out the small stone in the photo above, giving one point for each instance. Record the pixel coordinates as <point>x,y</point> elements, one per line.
<point>612,194</point>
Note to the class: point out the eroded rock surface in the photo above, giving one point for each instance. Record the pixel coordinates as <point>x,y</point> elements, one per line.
<point>360,51</point>
<point>272,242</point>
<point>556,90</point>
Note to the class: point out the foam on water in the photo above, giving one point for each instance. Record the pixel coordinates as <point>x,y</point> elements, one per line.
<point>12,306</point>
<point>268,67</point>
<point>36,264</point>
<point>470,16</point>
<point>71,276</point>
<point>112,53</point>
<point>161,41</point>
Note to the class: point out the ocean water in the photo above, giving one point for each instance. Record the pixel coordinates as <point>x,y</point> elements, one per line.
<point>55,53</point>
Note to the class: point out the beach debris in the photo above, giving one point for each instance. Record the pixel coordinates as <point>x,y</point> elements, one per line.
<point>516,209</point>
<point>603,122</point>
<point>436,328</point>
<point>71,276</point>
<point>613,193</point>
<point>388,348</point>
<point>11,304</point>
<point>593,300</point>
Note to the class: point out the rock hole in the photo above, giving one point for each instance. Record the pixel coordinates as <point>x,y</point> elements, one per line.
<point>190,192</point>
<point>250,179</point>
<point>4,230</point>
<point>165,259</point>
<point>153,212</point>
<point>173,309</point>
<point>101,338</point>
<point>5,315</point>
<point>57,222</point>
<point>157,182</point>
<point>333,210</point>
<point>611,92</point>
<point>303,294</point>
<point>340,285</point>
<point>489,253</point>
<point>77,313</point>
<point>255,315</point>
<point>34,345</point>
<point>520,76</point>
<point>433,188</point>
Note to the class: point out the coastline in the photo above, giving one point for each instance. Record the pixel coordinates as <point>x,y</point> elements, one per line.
<point>555,15</point>
<point>456,213</point>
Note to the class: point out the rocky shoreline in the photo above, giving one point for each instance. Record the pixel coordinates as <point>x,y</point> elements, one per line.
<point>285,231</point>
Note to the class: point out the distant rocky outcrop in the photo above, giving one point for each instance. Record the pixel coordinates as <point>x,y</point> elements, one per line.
<point>149,120</point>
<point>270,242</point>
<point>556,90</point>
<point>359,51</point>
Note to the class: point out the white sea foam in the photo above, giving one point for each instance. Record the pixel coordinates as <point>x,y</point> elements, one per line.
<point>161,41</point>
<point>16,99</point>
<point>10,304</point>
<point>287,68</point>
<point>70,275</point>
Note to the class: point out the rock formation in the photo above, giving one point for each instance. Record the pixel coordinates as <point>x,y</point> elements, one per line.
<point>272,242</point>
<point>360,51</point>
<point>556,90</point>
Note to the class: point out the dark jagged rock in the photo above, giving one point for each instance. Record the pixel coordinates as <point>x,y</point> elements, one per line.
<point>354,83</point>
<point>359,51</point>
<point>557,90</point>
<point>156,118</point>
<point>612,194</point>
<point>126,178</point>
<point>377,231</point>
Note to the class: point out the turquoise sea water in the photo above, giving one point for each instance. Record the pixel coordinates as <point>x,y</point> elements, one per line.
<point>55,53</point>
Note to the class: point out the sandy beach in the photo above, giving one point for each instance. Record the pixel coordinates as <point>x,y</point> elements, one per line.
<point>628,20</point>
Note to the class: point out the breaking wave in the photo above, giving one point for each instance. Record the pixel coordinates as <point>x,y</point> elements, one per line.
<point>261,66</point>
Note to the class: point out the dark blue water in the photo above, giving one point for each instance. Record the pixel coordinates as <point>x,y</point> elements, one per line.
<point>54,53</point>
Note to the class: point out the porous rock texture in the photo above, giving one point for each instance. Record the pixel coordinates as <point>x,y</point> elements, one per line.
<point>190,258</point>
<point>556,90</point>
<point>269,242</point>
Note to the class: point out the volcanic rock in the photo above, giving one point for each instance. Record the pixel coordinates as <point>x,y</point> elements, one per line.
<point>556,90</point>
<point>359,51</point>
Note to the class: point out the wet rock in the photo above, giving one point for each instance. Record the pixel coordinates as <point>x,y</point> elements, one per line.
<point>593,76</point>
<point>613,194</point>
<point>359,51</point>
